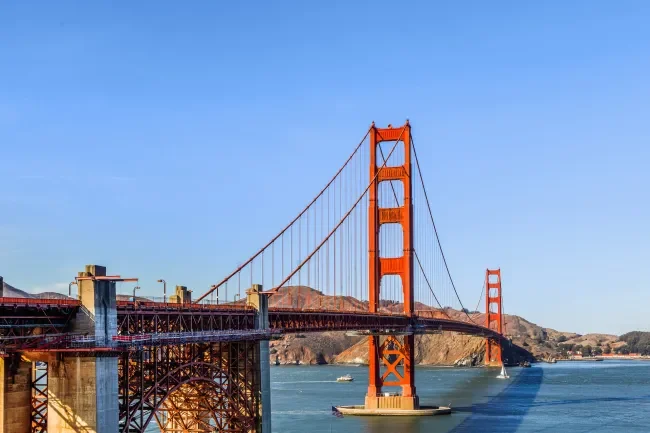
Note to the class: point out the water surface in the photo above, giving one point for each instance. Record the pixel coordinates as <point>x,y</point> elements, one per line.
<point>608,396</point>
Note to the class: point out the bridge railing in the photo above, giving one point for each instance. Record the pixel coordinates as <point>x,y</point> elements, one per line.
<point>83,342</point>
<point>383,313</point>
<point>15,301</point>
<point>187,337</point>
<point>162,303</point>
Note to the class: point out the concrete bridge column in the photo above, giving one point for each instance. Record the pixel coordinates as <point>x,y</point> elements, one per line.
<point>15,395</point>
<point>260,302</point>
<point>83,391</point>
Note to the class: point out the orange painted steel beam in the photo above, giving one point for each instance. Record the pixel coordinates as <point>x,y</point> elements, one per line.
<point>493,317</point>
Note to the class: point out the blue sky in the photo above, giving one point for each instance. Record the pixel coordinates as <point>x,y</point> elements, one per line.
<point>171,141</point>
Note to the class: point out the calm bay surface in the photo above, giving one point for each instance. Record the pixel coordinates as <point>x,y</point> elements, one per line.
<point>608,396</point>
<point>576,397</point>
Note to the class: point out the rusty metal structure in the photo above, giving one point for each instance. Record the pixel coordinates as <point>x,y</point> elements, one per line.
<point>39,397</point>
<point>190,387</point>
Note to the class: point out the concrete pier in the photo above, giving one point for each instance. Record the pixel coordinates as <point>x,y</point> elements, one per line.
<point>393,402</point>
<point>82,395</point>
<point>181,296</point>
<point>98,297</point>
<point>83,391</point>
<point>15,395</point>
<point>260,302</point>
<point>421,411</point>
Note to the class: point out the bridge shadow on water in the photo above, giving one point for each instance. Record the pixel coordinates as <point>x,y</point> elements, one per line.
<point>504,412</point>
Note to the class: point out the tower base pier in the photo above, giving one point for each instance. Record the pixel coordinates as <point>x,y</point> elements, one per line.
<point>15,395</point>
<point>421,411</point>
<point>393,405</point>
<point>393,402</point>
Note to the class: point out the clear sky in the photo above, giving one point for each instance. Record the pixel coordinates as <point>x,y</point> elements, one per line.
<point>172,139</point>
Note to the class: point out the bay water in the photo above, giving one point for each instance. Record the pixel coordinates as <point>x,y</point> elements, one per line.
<point>607,396</point>
<point>576,397</point>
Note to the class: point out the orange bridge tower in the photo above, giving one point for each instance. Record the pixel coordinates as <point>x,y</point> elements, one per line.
<point>394,353</point>
<point>493,316</point>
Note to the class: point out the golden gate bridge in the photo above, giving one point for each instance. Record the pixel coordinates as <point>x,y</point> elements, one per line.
<point>364,255</point>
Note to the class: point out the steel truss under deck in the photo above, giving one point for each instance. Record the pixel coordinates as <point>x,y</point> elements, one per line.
<point>190,388</point>
<point>39,397</point>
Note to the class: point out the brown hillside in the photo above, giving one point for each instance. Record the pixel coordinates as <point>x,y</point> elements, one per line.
<point>437,349</point>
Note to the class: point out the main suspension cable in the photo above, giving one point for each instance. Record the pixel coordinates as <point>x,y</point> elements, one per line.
<point>429,284</point>
<point>326,188</point>
<point>342,219</point>
<point>385,161</point>
<point>435,230</point>
<point>480,296</point>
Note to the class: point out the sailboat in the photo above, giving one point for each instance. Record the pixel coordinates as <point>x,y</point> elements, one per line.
<point>503,374</point>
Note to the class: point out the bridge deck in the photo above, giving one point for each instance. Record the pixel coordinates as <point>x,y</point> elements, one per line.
<point>145,322</point>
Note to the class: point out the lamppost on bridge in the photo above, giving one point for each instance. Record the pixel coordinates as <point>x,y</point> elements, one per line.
<point>134,289</point>
<point>70,289</point>
<point>164,289</point>
<point>215,288</point>
<point>236,297</point>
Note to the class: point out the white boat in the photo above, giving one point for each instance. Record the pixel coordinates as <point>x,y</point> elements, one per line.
<point>346,378</point>
<point>503,374</point>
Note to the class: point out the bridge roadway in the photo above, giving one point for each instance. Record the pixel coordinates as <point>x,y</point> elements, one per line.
<point>29,324</point>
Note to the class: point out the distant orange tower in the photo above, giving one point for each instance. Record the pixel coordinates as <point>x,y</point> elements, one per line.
<point>393,352</point>
<point>493,316</point>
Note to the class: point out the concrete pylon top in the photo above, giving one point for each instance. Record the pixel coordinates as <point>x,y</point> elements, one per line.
<point>93,271</point>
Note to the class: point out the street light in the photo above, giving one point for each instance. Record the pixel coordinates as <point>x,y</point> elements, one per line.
<point>70,289</point>
<point>236,297</point>
<point>134,289</point>
<point>215,288</point>
<point>164,289</point>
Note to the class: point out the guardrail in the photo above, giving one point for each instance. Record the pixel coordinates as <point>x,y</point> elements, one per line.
<point>89,343</point>
<point>39,301</point>
<point>189,337</point>
<point>188,305</point>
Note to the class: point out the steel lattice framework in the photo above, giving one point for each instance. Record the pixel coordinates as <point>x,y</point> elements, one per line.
<point>23,319</point>
<point>190,388</point>
<point>39,397</point>
<point>160,318</point>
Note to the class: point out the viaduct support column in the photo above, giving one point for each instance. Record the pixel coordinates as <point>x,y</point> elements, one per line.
<point>260,301</point>
<point>83,391</point>
<point>15,395</point>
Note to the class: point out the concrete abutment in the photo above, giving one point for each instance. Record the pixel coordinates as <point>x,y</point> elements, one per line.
<point>83,391</point>
<point>82,395</point>
<point>15,395</point>
<point>260,301</point>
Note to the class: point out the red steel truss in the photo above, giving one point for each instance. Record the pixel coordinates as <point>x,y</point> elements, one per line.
<point>39,397</point>
<point>190,388</point>
<point>150,318</point>
<point>24,321</point>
